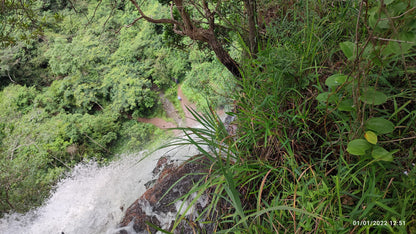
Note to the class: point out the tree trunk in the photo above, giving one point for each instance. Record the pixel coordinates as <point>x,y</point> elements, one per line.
<point>250,6</point>
<point>207,36</point>
<point>191,29</point>
<point>225,58</point>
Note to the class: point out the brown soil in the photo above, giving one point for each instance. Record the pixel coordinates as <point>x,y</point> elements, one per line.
<point>189,119</point>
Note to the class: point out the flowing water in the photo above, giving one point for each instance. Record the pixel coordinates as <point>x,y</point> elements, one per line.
<point>92,199</point>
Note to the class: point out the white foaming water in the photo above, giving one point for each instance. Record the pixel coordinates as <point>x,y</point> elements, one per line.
<point>93,198</point>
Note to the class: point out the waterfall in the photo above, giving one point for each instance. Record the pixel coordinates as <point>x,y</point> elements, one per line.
<point>92,198</point>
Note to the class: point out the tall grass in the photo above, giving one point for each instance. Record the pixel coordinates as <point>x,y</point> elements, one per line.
<point>287,169</point>
<point>322,194</point>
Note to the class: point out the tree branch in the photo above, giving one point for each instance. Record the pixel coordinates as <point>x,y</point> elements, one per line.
<point>130,24</point>
<point>189,28</point>
<point>152,20</point>
<point>8,74</point>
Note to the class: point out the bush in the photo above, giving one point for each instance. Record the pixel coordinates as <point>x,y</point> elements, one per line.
<point>209,81</point>
<point>134,135</point>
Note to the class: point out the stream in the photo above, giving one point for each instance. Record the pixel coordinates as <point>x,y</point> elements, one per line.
<point>91,198</point>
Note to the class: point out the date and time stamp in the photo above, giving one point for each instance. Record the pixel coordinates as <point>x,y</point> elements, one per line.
<point>378,223</point>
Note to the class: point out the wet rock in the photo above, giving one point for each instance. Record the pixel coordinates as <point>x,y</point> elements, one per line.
<point>162,164</point>
<point>159,205</point>
<point>230,125</point>
<point>149,184</point>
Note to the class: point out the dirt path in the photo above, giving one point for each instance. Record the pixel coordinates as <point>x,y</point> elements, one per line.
<point>172,113</point>
<point>189,119</point>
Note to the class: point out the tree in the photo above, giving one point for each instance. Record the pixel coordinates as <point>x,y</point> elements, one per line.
<point>207,21</point>
<point>18,21</point>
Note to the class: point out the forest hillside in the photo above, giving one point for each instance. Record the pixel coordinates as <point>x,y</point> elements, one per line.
<point>322,95</point>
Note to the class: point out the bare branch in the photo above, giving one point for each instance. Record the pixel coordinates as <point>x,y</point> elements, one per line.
<point>171,11</point>
<point>191,28</point>
<point>102,147</point>
<point>73,6</point>
<point>152,20</point>
<point>396,17</point>
<point>387,39</point>
<point>8,74</point>
<point>108,18</point>
<point>63,163</point>
<point>187,26</point>
<point>208,15</point>
<point>197,7</point>
<point>95,11</point>
<point>129,25</point>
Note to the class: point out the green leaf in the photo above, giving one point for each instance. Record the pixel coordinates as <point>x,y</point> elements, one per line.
<point>358,147</point>
<point>379,125</point>
<point>371,96</point>
<point>387,208</point>
<point>346,105</point>
<point>326,97</point>
<point>391,48</point>
<point>382,154</point>
<point>371,137</point>
<point>373,19</point>
<point>407,41</point>
<point>397,8</point>
<point>368,50</point>
<point>383,24</point>
<point>348,48</point>
<point>336,80</point>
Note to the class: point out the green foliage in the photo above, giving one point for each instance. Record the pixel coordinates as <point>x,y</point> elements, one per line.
<point>25,64</point>
<point>206,139</point>
<point>349,49</point>
<point>130,94</point>
<point>360,146</point>
<point>80,55</point>
<point>16,98</point>
<point>35,148</point>
<point>325,136</point>
<point>19,21</point>
<point>208,80</point>
<point>320,195</point>
<point>325,110</point>
<point>134,135</point>
<point>82,80</point>
<point>365,97</point>
<point>379,125</point>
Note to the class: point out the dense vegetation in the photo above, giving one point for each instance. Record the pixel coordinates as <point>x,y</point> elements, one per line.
<point>324,103</point>
<point>325,116</point>
<point>71,88</point>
